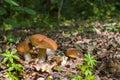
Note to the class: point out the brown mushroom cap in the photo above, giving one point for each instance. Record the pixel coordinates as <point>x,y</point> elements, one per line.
<point>72,52</point>
<point>42,41</point>
<point>23,47</point>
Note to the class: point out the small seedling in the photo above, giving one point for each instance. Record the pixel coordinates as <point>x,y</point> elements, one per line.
<point>77,78</point>
<point>9,56</point>
<point>90,60</point>
<point>57,68</point>
<point>86,68</point>
<point>70,74</point>
<point>83,29</point>
<point>112,28</point>
<point>49,79</point>
<point>14,68</point>
<point>10,39</point>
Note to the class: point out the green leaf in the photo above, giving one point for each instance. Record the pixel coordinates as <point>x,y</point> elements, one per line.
<point>11,59</point>
<point>29,11</point>
<point>7,26</point>
<point>90,60</point>
<point>7,52</point>
<point>25,9</point>
<point>90,77</point>
<point>16,57</point>
<point>18,8</point>
<point>11,75</point>
<point>5,60</point>
<point>2,11</point>
<point>10,69</point>
<point>83,67</point>
<point>11,38</point>
<point>13,52</point>
<point>77,78</point>
<point>17,67</point>
<point>4,54</point>
<point>12,2</point>
<point>57,68</point>
<point>88,72</point>
<point>10,23</point>
<point>55,1</point>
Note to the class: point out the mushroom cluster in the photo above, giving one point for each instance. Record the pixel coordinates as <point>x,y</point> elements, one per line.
<point>40,41</point>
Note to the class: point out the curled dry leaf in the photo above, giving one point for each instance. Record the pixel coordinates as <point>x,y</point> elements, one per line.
<point>41,78</point>
<point>4,39</point>
<point>64,61</point>
<point>30,76</point>
<point>44,67</point>
<point>57,59</point>
<point>97,31</point>
<point>65,34</point>
<point>97,77</point>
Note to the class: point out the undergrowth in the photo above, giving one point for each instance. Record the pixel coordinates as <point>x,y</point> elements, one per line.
<point>13,68</point>
<point>86,68</point>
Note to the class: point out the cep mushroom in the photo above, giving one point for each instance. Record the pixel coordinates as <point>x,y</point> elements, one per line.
<point>72,53</point>
<point>24,48</point>
<point>43,43</point>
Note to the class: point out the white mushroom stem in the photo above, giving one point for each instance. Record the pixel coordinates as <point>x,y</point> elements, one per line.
<point>27,56</point>
<point>50,52</point>
<point>42,55</point>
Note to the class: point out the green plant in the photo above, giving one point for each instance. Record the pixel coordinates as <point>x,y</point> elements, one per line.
<point>77,78</point>
<point>90,60</point>
<point>112,28</point>
<point>17,13</point>
<point>49,79</point>
<point>83,29</point>
<point>86,68</point>
<point>11,75</point>
<point>9,56</point>
<point>11,39</point>
<point>57,68</point>
<point>15,17</point>
<point>10,61</point>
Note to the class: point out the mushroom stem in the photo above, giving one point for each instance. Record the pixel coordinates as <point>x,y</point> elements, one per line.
<point>27,57</point>
<point>42,55</point>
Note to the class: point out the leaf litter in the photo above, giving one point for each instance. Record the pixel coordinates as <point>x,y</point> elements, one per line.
<point>103,43</point>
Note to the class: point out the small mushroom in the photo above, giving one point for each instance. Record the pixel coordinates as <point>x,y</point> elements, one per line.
<point>24,48</point>
<point>42,42</point>
<point>72,52</point>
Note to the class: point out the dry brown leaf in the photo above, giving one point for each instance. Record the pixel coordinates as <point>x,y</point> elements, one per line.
<point>44,67</point>
<point>64,61</point>
<point>57,59</point>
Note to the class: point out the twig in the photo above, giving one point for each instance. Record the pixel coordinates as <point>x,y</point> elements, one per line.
<point>59,10</point>
<point>4,39</point>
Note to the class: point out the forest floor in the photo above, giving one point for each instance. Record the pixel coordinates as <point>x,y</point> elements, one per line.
<point>101,40</point>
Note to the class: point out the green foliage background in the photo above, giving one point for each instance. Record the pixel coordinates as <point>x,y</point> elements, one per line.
<point>27,13</point>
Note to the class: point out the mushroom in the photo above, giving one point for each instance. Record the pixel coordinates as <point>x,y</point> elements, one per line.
<point>24,48</point>
<point>42,42</point>
<point>72,52</point>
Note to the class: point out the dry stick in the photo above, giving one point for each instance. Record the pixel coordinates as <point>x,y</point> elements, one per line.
<point>4,39</point>
<point>59,11</point>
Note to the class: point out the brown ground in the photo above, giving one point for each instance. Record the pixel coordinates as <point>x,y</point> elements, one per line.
<point>102,43</point>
